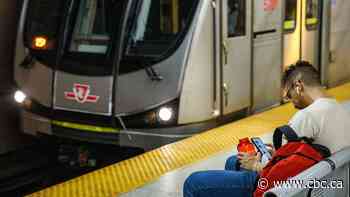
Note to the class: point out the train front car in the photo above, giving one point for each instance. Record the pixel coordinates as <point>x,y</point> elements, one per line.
<point>106,71</point>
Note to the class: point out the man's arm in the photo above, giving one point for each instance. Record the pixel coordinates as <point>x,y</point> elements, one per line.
<point>302,123</point>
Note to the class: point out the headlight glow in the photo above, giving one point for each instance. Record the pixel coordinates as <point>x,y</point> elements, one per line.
<point>40,43</point>
<point>216,113</point>
<point>165,114</point>
<point>20,97</point>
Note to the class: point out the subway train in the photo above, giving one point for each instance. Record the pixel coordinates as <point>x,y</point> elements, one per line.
<point>145,73</point>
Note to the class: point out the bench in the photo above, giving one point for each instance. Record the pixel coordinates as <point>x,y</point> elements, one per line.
<point>334,168</point>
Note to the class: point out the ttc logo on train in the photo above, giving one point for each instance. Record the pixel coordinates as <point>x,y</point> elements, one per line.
<point>81,94</point>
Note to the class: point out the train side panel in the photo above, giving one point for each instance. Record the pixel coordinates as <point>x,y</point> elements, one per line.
<point>136,92</point>
<point>196,101</point>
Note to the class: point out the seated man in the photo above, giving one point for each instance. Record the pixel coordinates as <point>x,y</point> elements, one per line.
<point>320,118</point>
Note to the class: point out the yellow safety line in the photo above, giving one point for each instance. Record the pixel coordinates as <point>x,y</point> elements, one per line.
<point>127,175</point>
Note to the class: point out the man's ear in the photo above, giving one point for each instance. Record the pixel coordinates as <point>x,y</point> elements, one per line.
<point>299,87</point>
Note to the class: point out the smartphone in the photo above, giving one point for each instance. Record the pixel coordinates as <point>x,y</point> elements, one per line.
<point>259,144</point>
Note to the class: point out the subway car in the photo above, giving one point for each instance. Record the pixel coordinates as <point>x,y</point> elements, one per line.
<point>145,73</point>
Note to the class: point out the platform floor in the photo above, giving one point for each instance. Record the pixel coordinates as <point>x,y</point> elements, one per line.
<point>171,184</point>
<point>161,172</point>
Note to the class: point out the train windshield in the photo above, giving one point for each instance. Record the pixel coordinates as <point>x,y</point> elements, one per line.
<point>43,20</point>
<point>152,29</point>
<point>93,27</point>
<point>158,25</point>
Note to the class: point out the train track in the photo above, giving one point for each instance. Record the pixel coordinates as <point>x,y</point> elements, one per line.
<point>23,167</point>
<point>44,164</point>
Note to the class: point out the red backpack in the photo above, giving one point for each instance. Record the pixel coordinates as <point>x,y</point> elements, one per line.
<point>290,159</point>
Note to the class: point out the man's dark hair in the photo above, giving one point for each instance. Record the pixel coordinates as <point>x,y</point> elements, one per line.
<point>302,71</point>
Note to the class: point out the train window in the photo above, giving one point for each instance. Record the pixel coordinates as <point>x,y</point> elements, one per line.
<point>93,26</point>
<point>158,25</point>
<point>312,14</point>
<point>236,18</point>
<point>290,20</point>
<point>43,23</point>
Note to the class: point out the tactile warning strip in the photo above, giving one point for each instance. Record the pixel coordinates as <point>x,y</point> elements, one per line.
<point>135,172</point>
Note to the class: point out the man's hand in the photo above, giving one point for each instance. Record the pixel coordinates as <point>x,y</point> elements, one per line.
<point>251,162</point>
<point>270,148</point>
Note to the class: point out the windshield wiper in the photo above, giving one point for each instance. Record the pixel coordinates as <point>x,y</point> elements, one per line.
<point>147,65</point>
<point>153,74</point>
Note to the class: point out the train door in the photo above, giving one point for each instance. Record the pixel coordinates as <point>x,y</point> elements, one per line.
<point>267,53</point>
<point>310,31</point>
<point>236,55</point>
<point>302,30</point>
<point>292,32</point>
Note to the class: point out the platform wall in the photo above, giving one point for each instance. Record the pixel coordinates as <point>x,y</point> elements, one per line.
<point>10,137</point>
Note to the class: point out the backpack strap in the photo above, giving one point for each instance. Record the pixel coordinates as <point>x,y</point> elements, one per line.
<point>291,136</point>
<point>307,140</point>
<point>323,150</point>
<point>287,131</point>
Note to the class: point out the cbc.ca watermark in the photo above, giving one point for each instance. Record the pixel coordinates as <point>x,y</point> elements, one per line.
<point>301,184</point>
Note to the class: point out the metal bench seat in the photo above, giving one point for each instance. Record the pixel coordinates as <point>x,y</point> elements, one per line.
<point>328,178</point>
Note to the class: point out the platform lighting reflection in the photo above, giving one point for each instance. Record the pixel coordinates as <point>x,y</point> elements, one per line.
<point>165,114</point>
<point>20,96</point>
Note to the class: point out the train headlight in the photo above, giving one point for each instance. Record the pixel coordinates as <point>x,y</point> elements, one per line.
<point>165,114</point>
<point>20,96</point>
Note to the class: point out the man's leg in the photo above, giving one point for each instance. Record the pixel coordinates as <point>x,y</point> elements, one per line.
<point>232,163</point>
<point>220,183</point>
